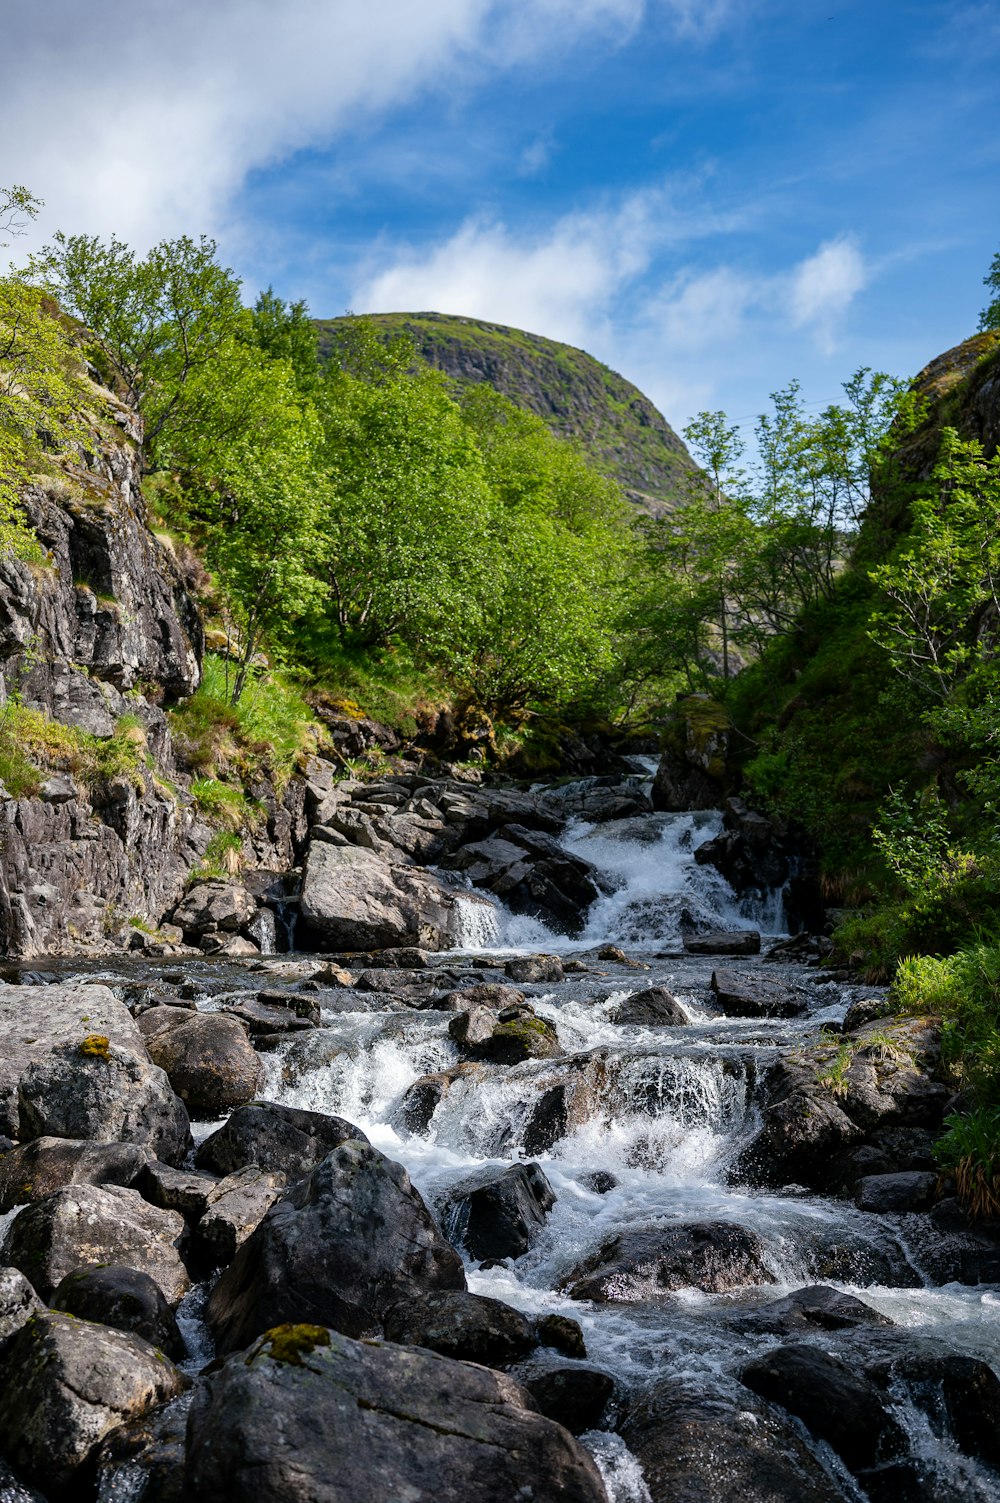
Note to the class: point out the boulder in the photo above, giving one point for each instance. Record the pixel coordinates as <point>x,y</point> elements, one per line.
<point>184,1190</point>
<point>500,1215</point>
<point>502,1039</point>
<point>723,942</point>
<point>713,1256</point>
<point>283,1138</point>
<point>309,1413</point>
<point>236,1207</point>
<point>18,1303</point>
<point>700,1446</point>
<point>87,1224</point>
<point>341,1247</point>
<point>815,1308</point>
<point>913,1190</point>
<point>653,1008</point>
<point>290,1015</point>
<point>963,1391</point>
<point>575,1397</point>
<point>142,1461</point>
<point>562,1333</point>
<point>156,1020</point>
<point>210,1063</point>
<point>746,996</point>
<point>64,1385</point>
<point>355,899</point>
<point>74,1065</point>
<point>470,1327</point>
<point>526,969</point>
<point>490,995</point>
<point>214,905</point>
<point>36,1169</point>
<point>114,1295</point>
<point>833,1401</point>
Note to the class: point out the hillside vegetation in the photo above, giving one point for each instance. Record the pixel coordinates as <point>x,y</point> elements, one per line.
<point>577,397</point>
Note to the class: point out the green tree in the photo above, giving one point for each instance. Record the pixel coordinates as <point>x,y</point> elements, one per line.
<point>284,331</point>
<point>990,316</point>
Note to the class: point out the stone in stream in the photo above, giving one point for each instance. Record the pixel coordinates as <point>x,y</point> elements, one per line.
<point>914,1190</point>
<point>746,996</point>
<point>289,1015</point>
<point>505,1038</point>
<point>340,1248</point>
<point>33,1170</point>
<point>653,1008</point>
<point>355,899</point>
<point>64,1385</point>
<point>706,1446</point>
<point>236,1207</point>
<point>575,1397</point>
<point>114,1295</point>
<point>210,1063</point>
<point>145,1453</point>
<point>535,968</point>
<point>276,1137</point>
<point>309,1413</point>
<point>18,1302</point>
<point>88,1224</point>
<point>74,1065</point>
<point>563,1334</point>
<point>470,1327</point>
<point>210,906</point>
<point>485,994</point>
<point>815,1308</point>
<point>13,1490</point>
<point>964,1390</point>
<point>639,1263</point>
<point>723,942</point>
<point>497,1216</point>
<point>833,1401</point>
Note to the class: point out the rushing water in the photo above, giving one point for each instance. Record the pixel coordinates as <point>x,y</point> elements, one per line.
<point>668,1110</point>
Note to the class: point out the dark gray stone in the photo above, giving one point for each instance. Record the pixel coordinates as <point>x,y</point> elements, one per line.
<point>210,1063</point>
<point>114,1295</point>
<point>710,1255</point>
<point>284,1138</point>
<point>36,1169</point>
<point>470,1327</point>
<point>500,1215</point>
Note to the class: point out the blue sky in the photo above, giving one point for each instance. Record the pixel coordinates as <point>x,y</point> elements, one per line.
<point>712,197</point>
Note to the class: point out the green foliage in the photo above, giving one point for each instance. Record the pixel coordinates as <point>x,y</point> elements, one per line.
<point>270,728</point>
<point>223,858</point>
<point>32,745</point>
<point>990,316</point>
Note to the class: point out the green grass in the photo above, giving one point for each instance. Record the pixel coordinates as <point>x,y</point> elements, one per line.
<point>32,746</point>
<point>223,858</point>
<point>269,730</point>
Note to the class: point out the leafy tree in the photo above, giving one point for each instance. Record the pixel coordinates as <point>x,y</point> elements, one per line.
<point>990,316</point>
<point>160,320</point>
<point>284,331</point>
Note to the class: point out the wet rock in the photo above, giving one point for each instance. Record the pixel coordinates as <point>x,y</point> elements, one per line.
<point>74,1066</point>
<point>719,942</point>
<point>510,1041</point>
<point>64,1385</point>
<point>562,1333</point>
<point>267,1015</point>
<point>354,899</point>
<point>815,1308</point>
<point>535,968</point>
<point>653,1008</point>
<point>497,1216</point>
<point>492,995</point>
<point>13,1490</point>
<point>805,1130</point>
<point>18,1302</point>
<point>575,1397</point>
<point>214,905</point>
<point>571,1100</point>
<point>702,1446</point>
<point>308,1405</point>
<point>88,1224</point>
<point>158,1019</point>
<point>709,1255</point>
<point>470,1327</point>
<point>913,1191</point>
<point>33,1170</point>
<point>832,1400</point>
<point>236,1207</point>
<point>114,1295</point>
<point>965,1390</point>
<point>743,996</point>
<point>284,1138</point>
<point>142,1461</point>
<point>421,1100</point>
<point>341,1247</point>
<point>183,1190</point>
<point>866,1010</point>
<point>210,1063</point>
<point>600,1181</point>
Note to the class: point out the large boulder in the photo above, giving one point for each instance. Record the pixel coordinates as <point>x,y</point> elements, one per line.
<point>210,906</point>
<point>713,1256</point>
<point>210,1063</point>
<point>834,1402</point>
<point>741,995</point>
<point>653,1008</point>
<point>236,1207</point>
<point>355,899</point>
<point>64,1385</point>
<point>88,1224</point>
<point>18,1303</point>
<point>500,1215</point>
<point>74,1065</point>
<point>34,1170</point>
<point>114,1295</point>
<point>699,1446</point>
<point>309,1413</point>
<point>340,1248</point>
<point>284,1138</point>
<point>471,1327</point>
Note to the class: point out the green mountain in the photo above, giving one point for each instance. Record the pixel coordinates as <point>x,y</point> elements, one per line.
<point>577,396</point>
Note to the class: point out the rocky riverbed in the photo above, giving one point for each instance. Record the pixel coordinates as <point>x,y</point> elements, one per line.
<point>546,1166</point>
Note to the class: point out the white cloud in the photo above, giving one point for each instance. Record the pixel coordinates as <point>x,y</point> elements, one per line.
<point>824,285</point>
<point>146,119</point>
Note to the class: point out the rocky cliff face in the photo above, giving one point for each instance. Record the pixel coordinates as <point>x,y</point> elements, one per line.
<point>621,430</point>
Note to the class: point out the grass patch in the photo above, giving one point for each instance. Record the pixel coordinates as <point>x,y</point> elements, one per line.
<point>223,858</point>
<point>33,745</point>
<point>268,731</point>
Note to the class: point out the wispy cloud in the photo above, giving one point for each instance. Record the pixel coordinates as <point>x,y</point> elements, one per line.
<point>824,286</point>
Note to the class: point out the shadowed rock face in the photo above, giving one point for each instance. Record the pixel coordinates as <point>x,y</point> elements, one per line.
<point>340,1248</point>
<point>312,1414</point>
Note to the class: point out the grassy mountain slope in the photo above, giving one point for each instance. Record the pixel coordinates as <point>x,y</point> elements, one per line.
<point>577,396</point>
